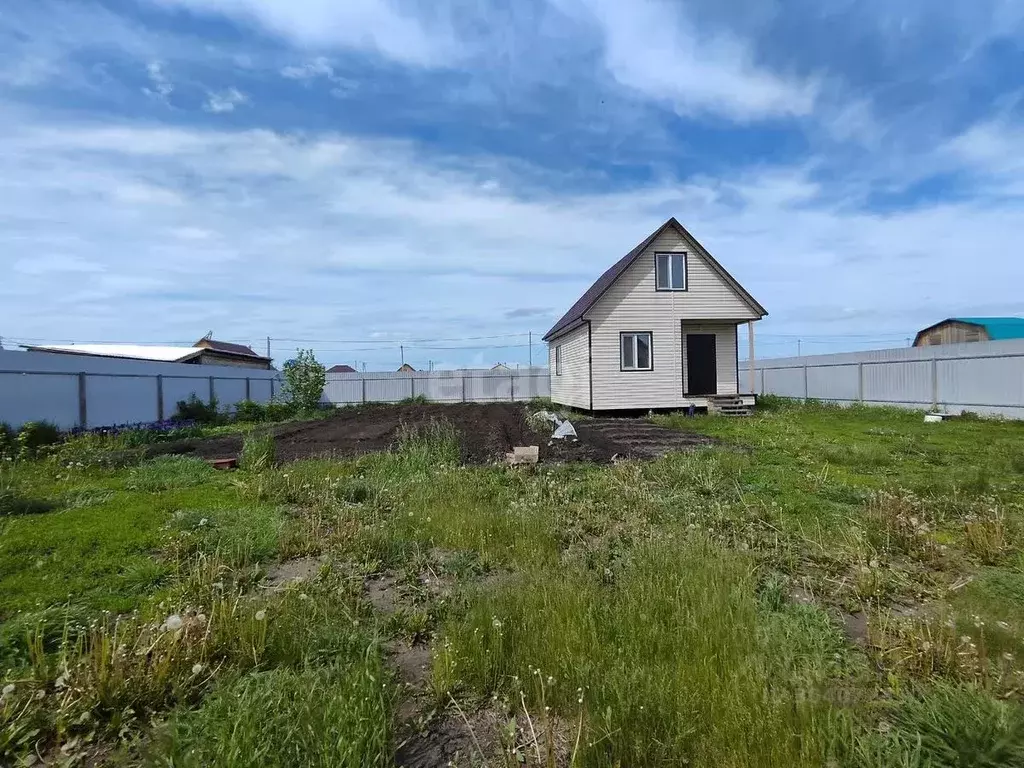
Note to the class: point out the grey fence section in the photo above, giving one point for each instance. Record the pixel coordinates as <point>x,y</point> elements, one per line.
<point>463,386</point>
<point>79,391</point>
<point>984,377</point>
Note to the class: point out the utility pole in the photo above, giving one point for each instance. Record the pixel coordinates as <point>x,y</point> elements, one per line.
<point>798,347</point>
<point>268,346</point>
<point>531,349</point>
<point>401,347</point>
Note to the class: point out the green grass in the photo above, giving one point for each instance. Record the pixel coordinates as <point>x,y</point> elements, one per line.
<point>333,717</point>
<point>639,614</point>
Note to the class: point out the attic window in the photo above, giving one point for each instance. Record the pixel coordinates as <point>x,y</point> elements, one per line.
<point>670,271</point>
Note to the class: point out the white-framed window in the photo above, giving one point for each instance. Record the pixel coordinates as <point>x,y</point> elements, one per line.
<point>670,271</point>
<point>558,360</point>
<point>635,351</point>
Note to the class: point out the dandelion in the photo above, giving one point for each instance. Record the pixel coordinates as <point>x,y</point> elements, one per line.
<point>61,683</point>
<point>201,619</point>
<point>197,668</point>
<point>8,689</point>
<point>173,623</point>
<point>202,522</point>
<point>261,615</point>
<point>496,623</point>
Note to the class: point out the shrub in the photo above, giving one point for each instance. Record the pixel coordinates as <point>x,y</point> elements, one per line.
<point>278,410</point>
<point>194,409</point>
<point>250,410</point>
<point>257,452</point>
<point>304,380</point>
<point>36,435</point>
<point>8,441</point>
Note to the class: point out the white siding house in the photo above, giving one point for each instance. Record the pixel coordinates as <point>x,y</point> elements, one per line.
<point>657,330</point>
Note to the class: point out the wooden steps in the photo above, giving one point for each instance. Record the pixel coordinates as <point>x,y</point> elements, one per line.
<point>728,405</point>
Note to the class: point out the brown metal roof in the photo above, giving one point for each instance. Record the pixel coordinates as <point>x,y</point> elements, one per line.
<point>574,317</point>
<point>228,348</point>
<point>341,369</point>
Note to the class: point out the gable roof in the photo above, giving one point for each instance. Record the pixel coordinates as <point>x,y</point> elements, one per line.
<point>227,347</point>
<point>997,328</point>
<point>341,369</point>
<point>574,317</point>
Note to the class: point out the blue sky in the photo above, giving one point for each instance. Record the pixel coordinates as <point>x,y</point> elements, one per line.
<point>367,172</point>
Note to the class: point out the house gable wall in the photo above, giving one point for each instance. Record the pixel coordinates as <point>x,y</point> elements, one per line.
<point>632,303</point>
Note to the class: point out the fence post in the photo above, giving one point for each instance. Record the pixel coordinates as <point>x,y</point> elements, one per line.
<point>247,388</point>
<point>463,387</point>
<point>412,387</point>
<point>512,388</point>
<point>363,388</point>
<point>159,397</point>
<point>805,382</point>
<point>272,388</point>
<point>211,389</point>
<point>83,414</point>
<point>935,384</point>
<point>860,382</point>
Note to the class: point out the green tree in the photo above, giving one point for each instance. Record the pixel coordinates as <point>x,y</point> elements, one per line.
<point>304,380</point>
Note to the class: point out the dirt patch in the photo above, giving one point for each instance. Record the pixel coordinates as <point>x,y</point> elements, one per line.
<point>487,431</point>
<point>382,592</point>
<point>293,571</point>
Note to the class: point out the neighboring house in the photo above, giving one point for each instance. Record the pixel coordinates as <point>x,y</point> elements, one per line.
<point>341,369</point>
<point>657,330</point>
<point>406,368</point>
<point>205,352</point>
<point>957,330</point>
<point>500,367</point>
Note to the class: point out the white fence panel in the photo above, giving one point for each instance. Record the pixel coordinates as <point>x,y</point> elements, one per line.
<point>119,400</point>
<point>788,382</point>
<point>986,377</point>
<point>178,388</point>
<point>228,392</point>
<point>480,386</point>
<point>907,383</point>
<point>840,382</point>
<point>38,398</point>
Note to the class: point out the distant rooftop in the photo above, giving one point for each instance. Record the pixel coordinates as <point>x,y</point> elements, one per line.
<point>127,351</point>
<point>997,328</point>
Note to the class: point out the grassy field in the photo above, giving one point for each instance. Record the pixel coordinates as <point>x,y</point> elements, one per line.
<point>825,587</point>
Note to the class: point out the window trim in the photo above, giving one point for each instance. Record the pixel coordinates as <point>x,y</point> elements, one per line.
<point>558,360</point>
<point>650,338</point>
<point>686,271</point>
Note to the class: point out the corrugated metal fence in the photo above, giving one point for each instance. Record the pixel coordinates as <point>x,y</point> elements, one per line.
<point>465,386</point>
<point>984,377</point>
<point>77,390</point>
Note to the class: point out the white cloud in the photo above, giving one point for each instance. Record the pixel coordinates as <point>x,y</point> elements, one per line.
<point>162,87</point>
<point>318,67</point>
<point>225,101</point>
<point>652,47</point>
<point>258,233</point>
<point>368,25</point>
